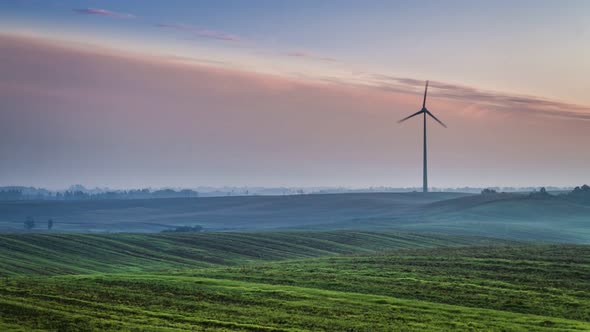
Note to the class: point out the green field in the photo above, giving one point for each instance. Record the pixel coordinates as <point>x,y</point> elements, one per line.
<point>351,262</point>
<point>51,254</point>
<point>290,281</point>
<point>214,213</point>
<point>511,216</point>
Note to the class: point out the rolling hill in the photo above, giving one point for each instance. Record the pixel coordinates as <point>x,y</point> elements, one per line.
<point>214,213</point>
<point>511,216</point>
<point>55,254</point>
<point>507,288</point>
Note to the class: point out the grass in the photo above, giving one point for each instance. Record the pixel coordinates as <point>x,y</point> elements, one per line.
<point>53,254</point>
<point>541,280</point>
<point>511,216</point>
<point>506,288</point>
<point>136,302</point>
<point>214,213</point>
<point>514,216</point>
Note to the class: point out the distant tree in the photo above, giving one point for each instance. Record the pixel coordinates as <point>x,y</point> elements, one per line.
<point>488,191</point>
<point>541,194</point>
<point>29,223</point>
<point>49,224</point>
<point>581,192</point>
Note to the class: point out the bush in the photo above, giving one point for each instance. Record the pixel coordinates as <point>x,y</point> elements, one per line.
<point>29,223</point>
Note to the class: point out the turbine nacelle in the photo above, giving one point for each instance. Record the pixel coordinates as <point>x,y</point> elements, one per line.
<point>424,110</point>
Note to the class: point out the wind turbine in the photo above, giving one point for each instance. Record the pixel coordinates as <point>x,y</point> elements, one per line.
<point>424,111</point>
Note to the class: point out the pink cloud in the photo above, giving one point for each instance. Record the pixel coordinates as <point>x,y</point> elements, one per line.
<point>308,55</point>
<point>178,124</point>
<point>102,12</point>
<point>217,35</point>
<point>488,100</point>
<point>200,32</point>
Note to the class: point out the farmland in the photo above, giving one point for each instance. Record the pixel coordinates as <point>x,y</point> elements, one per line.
<point>52,254</point>
<point>362,262</point>
<point>214,213</point>
<point>511,216</point>
<point>497,288</point>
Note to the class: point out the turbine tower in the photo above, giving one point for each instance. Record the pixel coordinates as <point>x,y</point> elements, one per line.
<point>424,111</point>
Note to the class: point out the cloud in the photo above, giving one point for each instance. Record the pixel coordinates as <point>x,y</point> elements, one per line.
<point>489,100</point>
<point>309,55</point>
<point>186,59</point>
<point>102,12</point>
<point>237,126</point>
<point>200,32</point>
<point>217,35</point>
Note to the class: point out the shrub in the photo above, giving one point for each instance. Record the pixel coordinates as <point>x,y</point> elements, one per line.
<point>29,223</point>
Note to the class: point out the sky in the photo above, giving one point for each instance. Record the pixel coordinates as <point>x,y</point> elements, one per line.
<point>128,94</point>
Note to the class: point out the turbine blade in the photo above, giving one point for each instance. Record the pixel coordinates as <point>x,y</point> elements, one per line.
<point>411,116</point>
<point>425,92</point>
<point>437,120</point>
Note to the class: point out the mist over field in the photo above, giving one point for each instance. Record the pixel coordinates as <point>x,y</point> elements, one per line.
<point>538,215</point>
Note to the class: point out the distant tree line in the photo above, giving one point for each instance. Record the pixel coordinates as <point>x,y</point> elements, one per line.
<point>583,190</point>
<point>75,195</point>
<point>580,194</point>
<point>11,195</point>
<point>541,194</point>
<point>489,191</point>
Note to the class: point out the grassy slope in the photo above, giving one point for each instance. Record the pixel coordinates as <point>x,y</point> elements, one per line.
<point>547,280</point>
<point>514,216</point>
<point>536,288</point>
<point>50,254</point>
<point>218,213</point>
